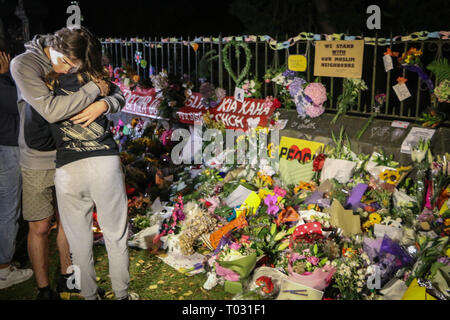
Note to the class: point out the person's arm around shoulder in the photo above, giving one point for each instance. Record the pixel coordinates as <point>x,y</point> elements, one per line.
<point>52,108</point>
<point>115,99</point>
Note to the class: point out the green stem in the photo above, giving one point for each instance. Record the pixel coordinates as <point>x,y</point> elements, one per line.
<point>366,125</point>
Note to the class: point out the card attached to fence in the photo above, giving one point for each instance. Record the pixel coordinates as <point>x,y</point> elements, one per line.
<point>239,95</point>
<point>388,65</point>
<point>297,62</point>
<point>402,91</point>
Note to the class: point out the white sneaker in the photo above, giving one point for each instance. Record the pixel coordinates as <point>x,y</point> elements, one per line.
<point>133,296</point>
<point>15,276</point>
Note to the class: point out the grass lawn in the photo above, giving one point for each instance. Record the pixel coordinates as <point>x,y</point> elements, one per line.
<point>150,278</point>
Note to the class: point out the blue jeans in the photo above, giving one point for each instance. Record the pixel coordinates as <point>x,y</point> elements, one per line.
<point>10,201</point>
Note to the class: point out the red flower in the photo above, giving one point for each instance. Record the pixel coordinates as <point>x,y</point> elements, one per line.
<point>318,162</point>
<point>208,204</point>
<point>130,190</point>
<point>276,103</point>
<point>265,283</point>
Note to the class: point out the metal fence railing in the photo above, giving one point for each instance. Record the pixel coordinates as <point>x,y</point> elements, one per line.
<point>178,57</point>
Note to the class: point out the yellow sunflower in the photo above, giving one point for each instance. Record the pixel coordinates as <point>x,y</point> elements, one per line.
<point>390,176</point>
<point>366,225</point>
<point>374,218</point>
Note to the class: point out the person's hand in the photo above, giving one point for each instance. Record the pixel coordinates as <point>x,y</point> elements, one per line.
<point>103,86</point>
<point>88,115</point>
<point>5,59</point>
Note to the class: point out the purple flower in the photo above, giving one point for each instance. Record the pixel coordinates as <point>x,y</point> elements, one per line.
<point>180,215</point>
<point>296,86</point>
<point>444,260</point>
<point>289,74</point>
<point>271,202</point>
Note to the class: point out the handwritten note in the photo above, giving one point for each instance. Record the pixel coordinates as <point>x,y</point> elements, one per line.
<point>402,91</point>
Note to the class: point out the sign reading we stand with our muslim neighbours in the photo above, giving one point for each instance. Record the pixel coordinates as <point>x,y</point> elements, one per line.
<point>342,59</point>
<point>234,114</point>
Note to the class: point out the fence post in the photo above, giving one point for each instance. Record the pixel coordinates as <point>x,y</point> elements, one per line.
<point>265,65</point>
<point>419,83</point>
<point>374,74</point>
<point>403,75</point>
<point>388,83</point>
<point>220,62</point>
<point>189,58</point>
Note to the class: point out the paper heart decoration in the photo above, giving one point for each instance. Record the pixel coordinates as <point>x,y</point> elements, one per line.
<point>253,122</point>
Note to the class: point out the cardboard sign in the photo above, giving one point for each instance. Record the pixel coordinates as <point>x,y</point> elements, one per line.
<point>297,62</point>
<point>298,149</point>
<point>342,59</point>
<point>142,102</point>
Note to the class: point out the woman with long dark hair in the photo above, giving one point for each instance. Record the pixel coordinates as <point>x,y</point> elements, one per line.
<point>88,169</point>
<point>58,76</point>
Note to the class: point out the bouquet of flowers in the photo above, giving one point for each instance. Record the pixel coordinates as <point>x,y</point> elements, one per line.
<point>422,158</point>
<point>339,163</point>
<point>197,223</point>
<point>234,263</point>
<point>352,271</point>
<point>429,253</point>
<point>309,97</point>
<point>282,78</point>
<point>310,263</point>
<point>171,91</point>
<point>252,88</point>
<point>351,90</point>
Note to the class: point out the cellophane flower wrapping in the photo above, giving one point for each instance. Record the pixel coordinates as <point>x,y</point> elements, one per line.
<point>392,257</point>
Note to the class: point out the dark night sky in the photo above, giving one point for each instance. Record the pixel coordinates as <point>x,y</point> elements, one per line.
<point>112,18</point>
<point>139,17</point>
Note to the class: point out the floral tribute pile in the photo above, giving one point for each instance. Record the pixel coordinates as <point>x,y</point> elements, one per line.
<point>364,227</point>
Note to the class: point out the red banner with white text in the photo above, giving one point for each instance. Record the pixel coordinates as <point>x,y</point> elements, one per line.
<point>234,114</point>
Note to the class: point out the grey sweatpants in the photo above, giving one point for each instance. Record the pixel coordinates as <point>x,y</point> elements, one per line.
<point>79,185</point>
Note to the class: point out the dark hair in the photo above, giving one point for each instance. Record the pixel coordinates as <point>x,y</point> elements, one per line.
<point>82,45</point>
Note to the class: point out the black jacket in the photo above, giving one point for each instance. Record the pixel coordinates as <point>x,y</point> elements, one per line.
<point>9,113</point>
